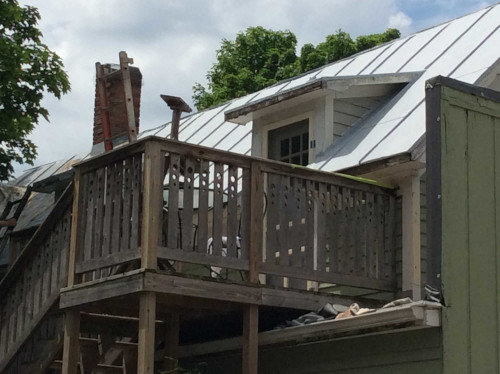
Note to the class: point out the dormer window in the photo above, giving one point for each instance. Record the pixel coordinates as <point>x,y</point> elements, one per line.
<point>290,143</point>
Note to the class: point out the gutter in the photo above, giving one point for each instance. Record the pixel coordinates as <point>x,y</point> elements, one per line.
<point>419,315</point>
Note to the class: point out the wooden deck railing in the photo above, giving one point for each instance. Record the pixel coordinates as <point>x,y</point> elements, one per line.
<point>32,285</point>
<point>162,203</point>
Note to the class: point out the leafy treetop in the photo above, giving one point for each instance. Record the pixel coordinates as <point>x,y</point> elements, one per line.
<point>259,57</point>
<point>28,68</point>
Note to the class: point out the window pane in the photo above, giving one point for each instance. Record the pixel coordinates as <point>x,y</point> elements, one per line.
<point>296,144</point>
<point>305,158</point>
<point>305,141</point>
<point>285,150</point>
<point>296,160</point>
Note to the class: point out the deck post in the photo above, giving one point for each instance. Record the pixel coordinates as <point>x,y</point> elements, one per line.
<point>171,342</point>
<point>151,204</point>
<point>250,339</point>
<point>146,347</point>
<point>71,347</point>
<point>410,189</point>
<point>251,312</point>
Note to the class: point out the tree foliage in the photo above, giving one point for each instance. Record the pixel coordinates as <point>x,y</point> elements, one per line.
<point>28,69</point>
<point>259,57</point>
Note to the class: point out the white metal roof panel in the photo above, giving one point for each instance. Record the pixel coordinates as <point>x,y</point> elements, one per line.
<point>464,37</point>
<point>363,60</point>
<point>334,69</point>
<point>408,50</point>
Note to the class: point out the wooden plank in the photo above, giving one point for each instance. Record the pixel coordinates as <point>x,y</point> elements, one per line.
<point>218,184</point>
<point>203,206</point>
<point>27,313</point>
<point>332,228</point>
<point>30,269</point>
<point>146,347</point>
<point>173,200</point>
<point>192,287</point>
<point>112,259</point>
<point>390,222</point>
<point>310,260</point>
<point>250,339</point>
<point>109,196</point>
<point>255,222</point>
<point>272,225</point>
<point>89,222</point>
<point>321,228</point>
<point>187,205</point>
<point>202,258</point>
<point>99,190</point>
<point>135,217</point>
<point>455,239</point>
<point>115,155</point>
<point>65,250</point>
<point>298,232</point>
<point>71,345</point>
<point>483,269</point>
<point>245,213</point>
<point>283,220</point>
<point>232,211</point>
<point>359,230</point>
<point>326,277</point>
<point>116,221</point>
<point>56,249</point>
<point>37,288</point>
<point>127,204</point>
<point>47,266</point>
<point>371,262</point>
<point>152,204</point>
<point>78,209</point>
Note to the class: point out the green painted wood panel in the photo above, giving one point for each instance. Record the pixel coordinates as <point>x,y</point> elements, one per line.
<point>470,162</point>
<point>408,352</point>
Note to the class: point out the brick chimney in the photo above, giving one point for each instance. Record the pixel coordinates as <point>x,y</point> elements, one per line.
<point>115,95</point>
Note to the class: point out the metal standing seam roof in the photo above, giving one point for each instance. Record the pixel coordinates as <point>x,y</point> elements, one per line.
<point>463,48</point>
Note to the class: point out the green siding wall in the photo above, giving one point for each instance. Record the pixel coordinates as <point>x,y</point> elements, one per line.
<point>470,172</point>
<point>410,352</point>
<point>423,231</point>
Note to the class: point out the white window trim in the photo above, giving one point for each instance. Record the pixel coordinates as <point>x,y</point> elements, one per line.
<point>285,122</point>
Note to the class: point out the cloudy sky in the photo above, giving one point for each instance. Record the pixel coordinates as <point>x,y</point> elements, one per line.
<point>173,42</point>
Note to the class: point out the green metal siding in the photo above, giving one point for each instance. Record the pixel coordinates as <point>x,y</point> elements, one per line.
<point>470,172</point>
<point>423,231</point>
<point>408,352</point>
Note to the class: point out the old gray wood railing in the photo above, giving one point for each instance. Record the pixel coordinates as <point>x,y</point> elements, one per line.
<point>33,283</point>
<point>224,214</point>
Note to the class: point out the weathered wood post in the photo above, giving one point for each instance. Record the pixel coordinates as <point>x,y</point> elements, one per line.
<point>71,345</point>
<point>251,311</point>
<point>152,202</point>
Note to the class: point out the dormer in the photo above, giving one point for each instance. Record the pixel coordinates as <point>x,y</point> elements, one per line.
<point>296,122</point>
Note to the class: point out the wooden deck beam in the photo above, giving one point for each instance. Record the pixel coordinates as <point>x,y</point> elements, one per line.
<point>153,281</point>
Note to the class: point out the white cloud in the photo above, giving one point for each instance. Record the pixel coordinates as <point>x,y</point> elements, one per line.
<point>399,21</point>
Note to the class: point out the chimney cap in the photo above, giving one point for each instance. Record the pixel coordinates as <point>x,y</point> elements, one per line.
<point>175,102</point>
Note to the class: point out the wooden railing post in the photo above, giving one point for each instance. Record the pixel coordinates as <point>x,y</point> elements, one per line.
<point>152,202</point>
<point>256,223</point>
<point>251,312</point>
<point>75,215</point>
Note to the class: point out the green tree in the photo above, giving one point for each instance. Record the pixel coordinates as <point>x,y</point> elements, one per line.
<point>28,69</point>
<point>259,58</point>
<point>255,59</point>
